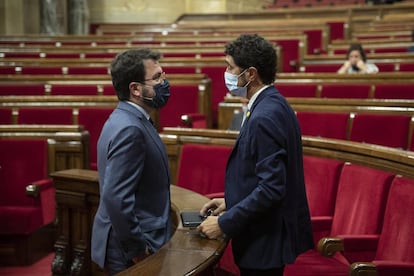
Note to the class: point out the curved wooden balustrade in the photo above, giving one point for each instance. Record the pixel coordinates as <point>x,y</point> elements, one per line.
<point>77,197</point>
<point>384,158</point>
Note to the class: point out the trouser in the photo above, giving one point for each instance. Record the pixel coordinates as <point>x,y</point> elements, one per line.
<point>115,260</point>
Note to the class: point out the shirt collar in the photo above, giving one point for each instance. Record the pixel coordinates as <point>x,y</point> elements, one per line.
<point>139,108</point>
<point>255,95</point>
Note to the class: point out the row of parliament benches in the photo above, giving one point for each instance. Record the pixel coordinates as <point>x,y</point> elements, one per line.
<point>347,185</point>
<point>343,170</point>
<point>196,93</point>
<point>353,119</point>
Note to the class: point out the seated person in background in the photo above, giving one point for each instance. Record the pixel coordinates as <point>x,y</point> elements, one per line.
<point>356,62</point>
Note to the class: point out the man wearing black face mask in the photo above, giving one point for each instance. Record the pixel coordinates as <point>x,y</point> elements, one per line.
<point>132,220</point>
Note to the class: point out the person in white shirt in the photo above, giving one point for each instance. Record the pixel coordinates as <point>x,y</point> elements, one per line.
<point>356,62</point>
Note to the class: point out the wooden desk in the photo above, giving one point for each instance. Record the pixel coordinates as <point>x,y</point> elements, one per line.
<point>77,198</point>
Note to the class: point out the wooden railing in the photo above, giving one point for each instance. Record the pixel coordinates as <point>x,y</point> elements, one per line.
<point>77,198</point>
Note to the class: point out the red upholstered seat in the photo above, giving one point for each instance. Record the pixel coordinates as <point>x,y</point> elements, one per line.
<point>321,68</point>
<point>385,67</point>
<point>93,120</point>
<point>7,70</point>
<point>108,90</point>
<point>321,180</point>
<point>315,40</point>
<point>297,90</point>
<point>183,100</point>
<point>337,30</point>
<point>92,70</point>
<point>71,89</point>
<point>358,91</point>
<point>360,204</point>
<point>179,69</point>
<point>5,116</point>
<point>24,211</point>
<point>202,168</point>
<point>45,115</point>
<point>395,250</point>
<point>22,89</point>
<point>41,70</point>
<point>407,67</point>
<point>381,129</point>
<point>321,124</point>
<point>394,91</point>
<point>218,88</point>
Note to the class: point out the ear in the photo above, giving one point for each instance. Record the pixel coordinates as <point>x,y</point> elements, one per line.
<point>135,89</point>
<point>252,73</point>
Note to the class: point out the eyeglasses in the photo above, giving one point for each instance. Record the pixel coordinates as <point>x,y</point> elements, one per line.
<point>157,78</point>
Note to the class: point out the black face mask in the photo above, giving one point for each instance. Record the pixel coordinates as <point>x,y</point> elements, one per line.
<point>162,94</point>
<point>355,68</point>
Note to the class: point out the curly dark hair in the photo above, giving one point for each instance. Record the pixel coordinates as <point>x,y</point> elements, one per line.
<point>357,47</point>
<point>252,50</point>
<point>128,67</point>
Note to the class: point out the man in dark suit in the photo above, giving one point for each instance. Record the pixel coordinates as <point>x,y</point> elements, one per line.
<point>132,220</point>
<point>265,210</point>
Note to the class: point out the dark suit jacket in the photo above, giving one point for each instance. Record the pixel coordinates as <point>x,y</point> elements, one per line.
<point>267,213</point>
<point>134,186</point>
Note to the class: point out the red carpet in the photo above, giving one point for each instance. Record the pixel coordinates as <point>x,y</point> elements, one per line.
<point>40,268</point>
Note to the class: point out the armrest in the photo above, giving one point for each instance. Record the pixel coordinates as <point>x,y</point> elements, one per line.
<point>362,269</point>
<point>347,243</point>
<point>43,193</point>
<point>383,268</point>
<point>35,188</point>
<point>329,246</point>
<point>194,120</point>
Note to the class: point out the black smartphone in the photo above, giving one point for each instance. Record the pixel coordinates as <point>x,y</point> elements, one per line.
<point>191,219</point>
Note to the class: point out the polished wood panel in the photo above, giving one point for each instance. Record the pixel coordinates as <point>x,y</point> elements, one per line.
<point>77,198</point>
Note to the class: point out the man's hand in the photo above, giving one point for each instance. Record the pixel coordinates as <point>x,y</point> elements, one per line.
<point>210,228</point>
<point>213,207</point>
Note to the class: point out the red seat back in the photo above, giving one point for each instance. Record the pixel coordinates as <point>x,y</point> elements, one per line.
<point>183,100</point>
<point>45,115</point>
<point>21,162</point>
<point>381,129</point>
<point>358,91</point>
<point>78,89</point>
<point>360,201</point>
<point>321,179</point>
<point>218,88</point>
<point>320,124</point>
<point>22,89</point>
<point>93,120</point>
<point>6,116</point>
<point>394,91</point>
<point>297,90</point>
<point>396,240</point>
<point>202,168</point>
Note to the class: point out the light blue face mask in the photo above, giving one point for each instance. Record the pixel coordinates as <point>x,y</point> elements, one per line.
<point>231,81</point>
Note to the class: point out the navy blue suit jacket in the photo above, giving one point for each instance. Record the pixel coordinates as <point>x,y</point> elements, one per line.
<point>134,186</point>
<point>267,213</point>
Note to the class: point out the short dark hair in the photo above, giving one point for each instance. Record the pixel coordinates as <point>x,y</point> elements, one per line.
<point>128,67</point>
<point>252,50</point>
<point>357,47</point>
